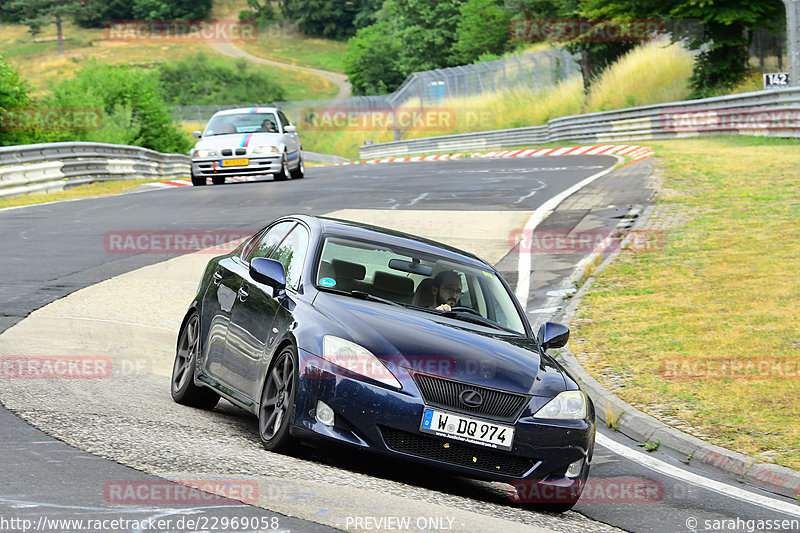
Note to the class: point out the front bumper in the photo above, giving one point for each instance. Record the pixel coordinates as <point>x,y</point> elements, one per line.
<point>261,164</point>
<point>373,417</point>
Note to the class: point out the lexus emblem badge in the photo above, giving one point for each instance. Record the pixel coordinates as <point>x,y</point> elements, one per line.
<point>471,398</point>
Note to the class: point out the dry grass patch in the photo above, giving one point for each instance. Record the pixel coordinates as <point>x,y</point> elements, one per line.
<point>100,188</point>
<point>649,74</point>
<point>722,296</point>
<point>39,63</point>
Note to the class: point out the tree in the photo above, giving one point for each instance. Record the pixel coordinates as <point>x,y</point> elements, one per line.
<point>371,60</point>
<point>427,31</point>
<point>171,9</point>
<point>409,36</point>
<point>726,28</point>
<point>13,97</point>
<point>483,28</point>
<point>330,18</point>
<point>38,13</point>
<point>594,56</point>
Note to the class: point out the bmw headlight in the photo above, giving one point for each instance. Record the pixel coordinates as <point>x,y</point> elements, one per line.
<point>356,359</point>
<point>265,150</point>
<point>568,405</point>
<point>205,153</point>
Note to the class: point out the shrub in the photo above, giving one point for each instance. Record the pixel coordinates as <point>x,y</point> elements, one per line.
<point>198,80</point>
<point>134,111</point>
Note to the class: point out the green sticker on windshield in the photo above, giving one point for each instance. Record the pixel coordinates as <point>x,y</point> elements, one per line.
<point>487,274</point>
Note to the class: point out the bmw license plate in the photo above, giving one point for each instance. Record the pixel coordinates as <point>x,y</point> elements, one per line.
<point>234,162</point>
<point>466,429</point>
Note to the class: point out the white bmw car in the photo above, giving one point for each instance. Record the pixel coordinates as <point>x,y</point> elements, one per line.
<point>247,141</point>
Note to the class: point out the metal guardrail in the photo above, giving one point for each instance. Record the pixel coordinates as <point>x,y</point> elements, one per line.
<point>52,167</point>
<point>774,113</point>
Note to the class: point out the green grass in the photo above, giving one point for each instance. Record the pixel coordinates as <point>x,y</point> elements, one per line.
<point>722,290</point>
<point>279,44</point>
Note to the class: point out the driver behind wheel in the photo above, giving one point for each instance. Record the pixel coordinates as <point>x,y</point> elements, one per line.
<point>446,289</point>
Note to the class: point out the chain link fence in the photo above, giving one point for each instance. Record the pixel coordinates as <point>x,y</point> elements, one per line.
<point>535,71</point>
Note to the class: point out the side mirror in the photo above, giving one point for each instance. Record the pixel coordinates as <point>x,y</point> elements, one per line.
<point>290,129</point>
<point>268,272</point>
<point>197,134</point>
<point>552,335</point>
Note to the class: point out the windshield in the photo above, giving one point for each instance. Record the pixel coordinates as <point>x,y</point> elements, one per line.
<point>242,123</point>
<point>417,280</point>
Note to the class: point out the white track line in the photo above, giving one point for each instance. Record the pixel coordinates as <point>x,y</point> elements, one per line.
<point>524,259</point>
<point>696,479</point>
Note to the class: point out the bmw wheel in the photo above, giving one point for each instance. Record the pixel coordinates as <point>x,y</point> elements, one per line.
<point>218,180</point>
<point>300,171</point>
<point>283,174</point>
<point>184,389</point>
<point>198,180</point>
<point>277,402</point>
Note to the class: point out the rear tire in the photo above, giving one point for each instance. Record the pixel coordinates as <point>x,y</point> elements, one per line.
<point>277,403</point>
<point>283,174</point>
<point>197,181</point>
<point>218,180</point>
<point>184,390</point>
<point>300,171</point>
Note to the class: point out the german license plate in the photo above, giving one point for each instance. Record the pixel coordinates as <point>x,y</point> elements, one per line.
<point>234,162</point>
<point>466,429</point>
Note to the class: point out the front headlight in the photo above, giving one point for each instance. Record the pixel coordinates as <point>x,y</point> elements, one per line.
<point>356,359</point>
<point>569,405</point>
<point>265,150</point>
<point>205,153</point>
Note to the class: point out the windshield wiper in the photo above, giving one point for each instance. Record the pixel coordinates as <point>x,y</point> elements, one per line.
<point>371,297</point>
<point>475,319</point>
<point>361,295</point>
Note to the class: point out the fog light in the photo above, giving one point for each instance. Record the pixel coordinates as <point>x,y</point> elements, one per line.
<point>573,470</point>
<point>324,413</point>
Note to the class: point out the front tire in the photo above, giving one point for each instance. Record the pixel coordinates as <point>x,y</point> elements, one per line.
<point>184,389</point>
<point>198,181</point>
<point>277,402</point>
<point>218,180</point>
<point>300,171</point>
<point>283,174</point>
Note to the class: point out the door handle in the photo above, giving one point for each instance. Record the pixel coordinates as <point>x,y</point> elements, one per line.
<point>217,277</point>
<point>243,293</point>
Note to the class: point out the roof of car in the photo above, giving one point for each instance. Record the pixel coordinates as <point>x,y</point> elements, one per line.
<point>240,110</point>
<point>349,228</point>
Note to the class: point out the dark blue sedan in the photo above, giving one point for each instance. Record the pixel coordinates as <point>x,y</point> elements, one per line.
<point>337,332</point>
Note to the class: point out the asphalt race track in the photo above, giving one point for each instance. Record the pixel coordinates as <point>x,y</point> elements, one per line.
<point>51,251</point>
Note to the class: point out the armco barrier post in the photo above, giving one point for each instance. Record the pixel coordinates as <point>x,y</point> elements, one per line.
<point>793,40</point>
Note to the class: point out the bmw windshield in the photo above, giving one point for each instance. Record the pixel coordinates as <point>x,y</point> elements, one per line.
<point>242,123</point>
